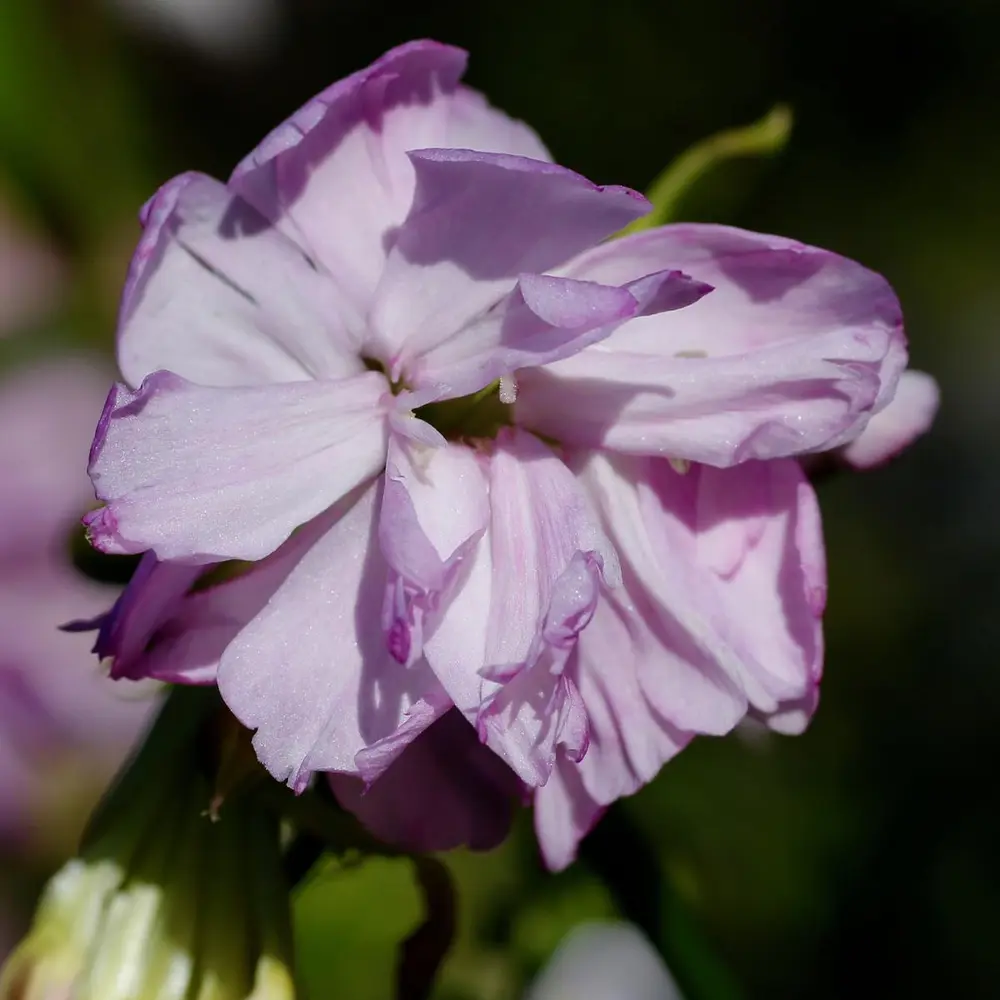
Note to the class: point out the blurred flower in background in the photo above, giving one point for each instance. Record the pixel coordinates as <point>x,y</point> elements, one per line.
<point>228,29</point>
<point>29,273</point>
<point>604,961</point>
<point>64,728</point>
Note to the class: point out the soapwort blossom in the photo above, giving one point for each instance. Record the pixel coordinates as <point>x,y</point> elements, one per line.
<point>482,460</point>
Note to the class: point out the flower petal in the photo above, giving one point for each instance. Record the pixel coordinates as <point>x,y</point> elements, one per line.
<point>479,221</point>
<point>564,814</point>
<point>335,176</point>
<point>434,510</point>
<point>792,352</point>
<point>151,598</point>
<point>544,319</point>
<point>549,555</point>
<point>311,673</point>
<point>204,474</point>
<point>218,296</point>
<point>446,790</point>
<point>730,564</point>
<point>909,414</point>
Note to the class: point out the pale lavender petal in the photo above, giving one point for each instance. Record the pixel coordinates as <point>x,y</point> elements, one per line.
<point>730,565</point>
<point>446,790</point>
<point>479,221</point>
<point>218,296</point>
<point>549,555</point>
<point>474,124</point>
<point>792,352</point>
<point>544,319</point>
<point>206,474</point>
<point>564,814</point>
<point>311,673</point>
<point>336,177</point>
<point>909,414</point>
<point>434,510</point>
<point>538,711</point>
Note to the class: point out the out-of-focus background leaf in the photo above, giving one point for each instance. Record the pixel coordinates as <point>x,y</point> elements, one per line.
<point>860,859</point>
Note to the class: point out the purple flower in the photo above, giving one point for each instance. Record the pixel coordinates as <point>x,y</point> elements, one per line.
<point>56,711</point>
<point>478,457</point>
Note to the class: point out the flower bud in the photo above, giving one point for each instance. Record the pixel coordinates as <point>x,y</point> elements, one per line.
<point>164,903</point>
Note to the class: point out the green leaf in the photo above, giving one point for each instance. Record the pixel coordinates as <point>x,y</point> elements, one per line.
<point>766,137</point>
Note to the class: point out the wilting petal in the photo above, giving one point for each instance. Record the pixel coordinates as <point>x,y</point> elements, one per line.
<point>218,296</point>
<point>792,352</point>
<point>445,790</point>
<point>336,177</point>
<point>205,474</point>
<point>311,673</point>
<point>478,222</point>
<point>544,319</point>
<point>434,509</point>
<point>910,414</point>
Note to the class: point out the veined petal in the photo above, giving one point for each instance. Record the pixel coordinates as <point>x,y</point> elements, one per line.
<point>335,176</point>
<point>205,474</point>
<point>909,414</point>
<point>792,352</point>
<point>434,509</point>
<point>446,790</point>
<point>479,221</point>
<point>544,319</point>
<point>218,296</point>
<point>333,691</point>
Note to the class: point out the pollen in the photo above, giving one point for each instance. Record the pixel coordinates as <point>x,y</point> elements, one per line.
<point>508,390</point>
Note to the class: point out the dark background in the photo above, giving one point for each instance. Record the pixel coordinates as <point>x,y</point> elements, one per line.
<point>860,859</point>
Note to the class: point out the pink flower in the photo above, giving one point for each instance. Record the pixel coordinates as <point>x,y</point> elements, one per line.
<point>478,457</point>
<point>56,710</point>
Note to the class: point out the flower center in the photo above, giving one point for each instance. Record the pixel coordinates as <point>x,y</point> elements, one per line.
<point>480,415</point>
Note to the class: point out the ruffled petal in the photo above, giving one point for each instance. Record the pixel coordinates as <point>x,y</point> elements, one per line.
<point>204,474</point>
<point>218,296</point>
<point>335,175</point>
<point>544,319</point>
<point>550,558</point>
<point>792,352</point>
<point>479,221</point>
<point>728,568</point>
<point>909,414</point>
<point>434,510</point>
<point>445,791</point>
<point>311,673</point>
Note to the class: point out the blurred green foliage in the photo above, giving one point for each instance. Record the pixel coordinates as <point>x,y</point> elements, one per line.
<point>860,859</point>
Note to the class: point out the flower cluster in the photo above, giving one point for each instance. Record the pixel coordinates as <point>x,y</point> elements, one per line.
<point>516,506</point>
